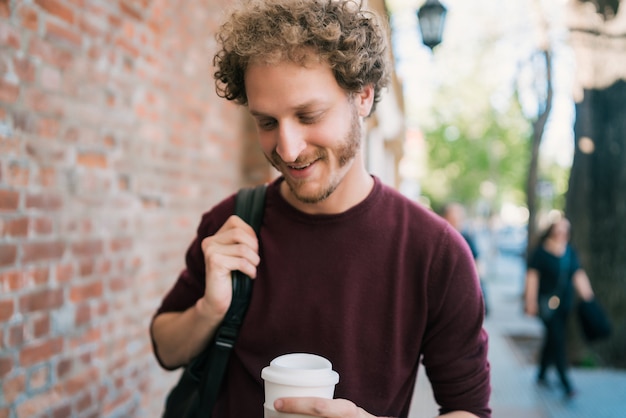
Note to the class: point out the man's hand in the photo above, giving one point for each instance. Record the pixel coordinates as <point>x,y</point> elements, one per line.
<point>320,407</point>
<point>233,247</point>
<point>336,408</point>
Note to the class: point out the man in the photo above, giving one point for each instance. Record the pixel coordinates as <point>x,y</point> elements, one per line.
<point>454,213</point>
<point>344,267</point>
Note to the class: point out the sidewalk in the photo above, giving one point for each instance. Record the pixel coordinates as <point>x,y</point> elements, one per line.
<point>601,392</point>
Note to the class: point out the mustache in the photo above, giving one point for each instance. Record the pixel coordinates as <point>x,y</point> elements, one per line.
<point>276,160</point>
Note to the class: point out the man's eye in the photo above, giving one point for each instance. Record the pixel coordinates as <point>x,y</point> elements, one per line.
<point>266,125</point>
<point>309,119</point>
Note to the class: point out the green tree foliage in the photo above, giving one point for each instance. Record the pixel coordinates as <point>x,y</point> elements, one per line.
<point>477,153</point>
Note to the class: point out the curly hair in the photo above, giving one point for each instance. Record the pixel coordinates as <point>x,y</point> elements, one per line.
<point>353,41</point>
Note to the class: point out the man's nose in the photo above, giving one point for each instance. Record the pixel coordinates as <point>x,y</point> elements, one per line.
<point>290,142</point>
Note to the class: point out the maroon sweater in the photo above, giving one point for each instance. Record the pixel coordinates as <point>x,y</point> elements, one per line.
<point>371,289</point>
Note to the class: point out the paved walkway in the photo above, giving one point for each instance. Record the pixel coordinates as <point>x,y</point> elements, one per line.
<point>601,392</point>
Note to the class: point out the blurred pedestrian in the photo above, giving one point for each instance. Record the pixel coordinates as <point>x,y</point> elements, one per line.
<point>454,213</point>
<point>553,275</point>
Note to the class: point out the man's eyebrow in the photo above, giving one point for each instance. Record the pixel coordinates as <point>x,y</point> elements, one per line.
<point>257,113</point>
<point>302,107</point>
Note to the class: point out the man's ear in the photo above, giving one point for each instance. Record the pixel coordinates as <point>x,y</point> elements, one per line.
<point>365,100</point>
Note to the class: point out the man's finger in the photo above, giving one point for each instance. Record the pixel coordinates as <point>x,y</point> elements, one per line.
<point>319,407</point>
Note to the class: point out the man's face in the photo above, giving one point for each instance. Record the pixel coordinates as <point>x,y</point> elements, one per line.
<point>309,128</point>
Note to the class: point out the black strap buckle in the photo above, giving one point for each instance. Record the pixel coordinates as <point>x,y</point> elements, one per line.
<point>226,336</point>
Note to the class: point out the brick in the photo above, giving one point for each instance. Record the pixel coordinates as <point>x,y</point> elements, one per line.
<point>40,351</point>
<point>121,244</point>
<point>77,383</point>
<point>128,47</point>
<point>64,273</point>
<point>7,307</point>
<point>109,141</point>
<point>24,121</point>
<point>104,267</point>
<point>86,358</point>
<point>29,18</point>
<point>86,268</point>
<point>9,200</point>
<point>103,393</point>
<point>12,280</point>
<point>38,276</point>
<point>44,201</point>
<point>19,175</point>
<point>48,128</point>
<point>6,365</point>
<point>63,368</point>
<point>42,300</point>
<point>41,327</point>
<point>8,254</point>
<point>13,387</point>
<point>58,9</point>
<point>42,226</point>
<point>103,309</point>
<point>25,69</point>
<point>87,248</point>
<point>84,402</point>
<point>63,35</point>
<point>82,315</point>
<point>119,284</point>
<point>5,12</point>
<point>114,22</point>
<point>9,36</point>
<point>15,227</point>
<point>94,26</point>
<point>38,251</point>
<point>47,177</point>
<point>85,292</point>
<point>62,411</point>
<point>130,10</point>
<point>92,159</point>
<point>16,336</point>
<point>9,92</point>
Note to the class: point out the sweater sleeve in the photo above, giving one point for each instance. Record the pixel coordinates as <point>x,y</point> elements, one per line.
<point>455,343</point>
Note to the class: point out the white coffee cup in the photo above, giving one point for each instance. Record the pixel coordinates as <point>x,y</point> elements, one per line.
<point>294,375</point>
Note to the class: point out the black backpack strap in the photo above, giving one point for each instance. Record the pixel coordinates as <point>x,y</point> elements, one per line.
<point>249,206</point>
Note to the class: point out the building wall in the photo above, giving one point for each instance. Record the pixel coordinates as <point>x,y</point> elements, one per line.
<point>112,143</point>
<point>384,146</point>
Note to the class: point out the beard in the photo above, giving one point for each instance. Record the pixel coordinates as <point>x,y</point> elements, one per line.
<point>345,154</point>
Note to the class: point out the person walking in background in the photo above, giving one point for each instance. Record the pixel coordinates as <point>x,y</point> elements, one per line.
<point>554,274</point>
<point>344,266</point>
<point>454,213</point>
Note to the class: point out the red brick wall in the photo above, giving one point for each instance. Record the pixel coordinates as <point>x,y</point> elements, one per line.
<point>112,143</point>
